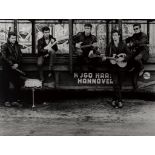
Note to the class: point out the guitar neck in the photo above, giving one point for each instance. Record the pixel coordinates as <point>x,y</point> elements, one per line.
<point>85,46</point>
<point>110,58</point>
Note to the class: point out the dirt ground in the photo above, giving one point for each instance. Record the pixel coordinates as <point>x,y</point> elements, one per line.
<point>83,117</point>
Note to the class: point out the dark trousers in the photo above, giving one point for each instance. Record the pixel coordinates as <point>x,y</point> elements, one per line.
<point>40,63</point>
<point>90,63</point>
<point>117,77</point>
<point>137,65</point>
<point>10,76</point>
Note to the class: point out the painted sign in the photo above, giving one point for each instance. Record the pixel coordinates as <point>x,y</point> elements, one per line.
<point>93,78</point>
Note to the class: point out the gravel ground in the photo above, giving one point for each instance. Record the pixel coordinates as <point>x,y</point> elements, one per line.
<point>82,117</point>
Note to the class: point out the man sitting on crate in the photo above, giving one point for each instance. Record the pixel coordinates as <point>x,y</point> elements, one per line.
<point>45,52</point>
<point>140,52</point>
<point>11,60</point>
<point>85,46</point>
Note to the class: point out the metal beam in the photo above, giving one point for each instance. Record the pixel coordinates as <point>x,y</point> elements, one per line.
<point>15,26</point>
<point>148,30</point>
<point>120,28</point>
<point>33,38</point>
<point>70,45</point>
<point>107,32</point>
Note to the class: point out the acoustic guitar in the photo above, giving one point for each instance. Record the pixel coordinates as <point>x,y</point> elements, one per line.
<point>79,50</point>
<point>115,59</point>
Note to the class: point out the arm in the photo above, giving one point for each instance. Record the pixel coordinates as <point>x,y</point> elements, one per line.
<point>128,53</point>
<point>108,51</point>
<point>41,50</point>
<point>5,58</point>
<point>141,42</point>
<point>55,47</point>
<point>76,39</point>
<point>19,60</point>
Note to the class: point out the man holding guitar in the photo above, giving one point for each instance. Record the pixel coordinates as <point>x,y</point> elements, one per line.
<point>119,54</point>
<point>84,43</point>
<point>11,60</point>
<point>46,51</point>
<point>140,52</point>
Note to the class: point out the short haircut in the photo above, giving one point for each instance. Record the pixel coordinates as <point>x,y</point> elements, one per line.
<point>11,33</point>
<point>137,24</point>
<point>115,31</point>
<point>46,28</point>
<point>88,25</point>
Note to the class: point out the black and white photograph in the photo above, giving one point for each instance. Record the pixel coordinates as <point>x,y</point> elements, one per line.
<point>77,77</point>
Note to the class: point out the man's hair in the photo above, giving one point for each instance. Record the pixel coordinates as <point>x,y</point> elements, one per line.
<point>46,28</point>
<point>115,31</point>
<point>88,25</point>
<point>137,24</point>
<point>11,34</point>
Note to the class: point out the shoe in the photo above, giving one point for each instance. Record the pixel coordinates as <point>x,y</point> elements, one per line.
<point>50,75</point>
<point>7,104</point>
<point>16,104</point>
<point>113,103</point>
<point>120,104</point>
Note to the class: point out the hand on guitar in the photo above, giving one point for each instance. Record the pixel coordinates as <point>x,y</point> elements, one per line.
<point>78,45</point>
<point>15,66</point>
<point>95,45</point>
<point>78,49</point>
<point>120,59</point>
<point>103,57</point>
<point>46,55</point>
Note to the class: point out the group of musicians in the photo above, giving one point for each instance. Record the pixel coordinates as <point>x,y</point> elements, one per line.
<point>133,52</point>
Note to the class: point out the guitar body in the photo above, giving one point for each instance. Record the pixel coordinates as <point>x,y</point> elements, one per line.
<point>79,50</point>
<point>115,60</point>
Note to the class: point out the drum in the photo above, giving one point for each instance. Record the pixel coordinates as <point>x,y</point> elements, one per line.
<point>33,84</point>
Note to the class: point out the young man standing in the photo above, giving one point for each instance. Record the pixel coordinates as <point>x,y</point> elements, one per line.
<point>85,43</point>
<point>43,53</point>
<point>11,61</point>
<point>115,48</point>
<point>140,52</point>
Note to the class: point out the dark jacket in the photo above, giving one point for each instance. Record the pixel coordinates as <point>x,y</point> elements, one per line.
<point>122,48</point>
<point>11,55</point>
<point>112,49</point>
<point>140,42</point>
<point>86,40</point>
<point>42,44</point>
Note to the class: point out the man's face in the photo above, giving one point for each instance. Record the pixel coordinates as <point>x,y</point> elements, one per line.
<point>136,29</point>
<point>12,39</point>
<point>87,30</point>
<point>46,34</point>
<point>115,36</point>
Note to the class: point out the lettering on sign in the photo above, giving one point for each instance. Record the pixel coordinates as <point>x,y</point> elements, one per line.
<point>93,78</point>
